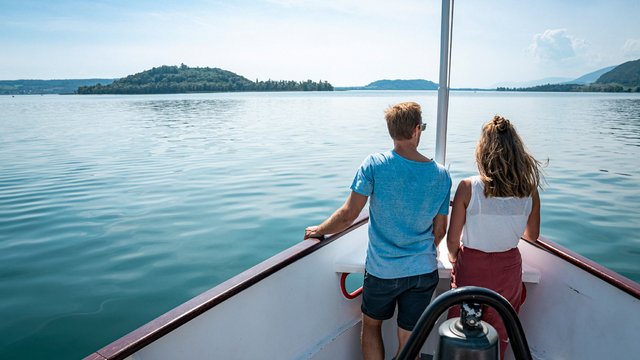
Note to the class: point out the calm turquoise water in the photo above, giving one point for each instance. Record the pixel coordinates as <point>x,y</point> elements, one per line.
<point>114,209</point>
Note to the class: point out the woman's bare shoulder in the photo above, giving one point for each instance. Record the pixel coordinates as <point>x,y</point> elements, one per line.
<point>466,183</point>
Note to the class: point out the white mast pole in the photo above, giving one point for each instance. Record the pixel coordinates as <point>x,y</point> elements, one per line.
<point>443,85</point>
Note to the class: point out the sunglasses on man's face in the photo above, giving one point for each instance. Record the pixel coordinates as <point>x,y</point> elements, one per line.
<point>422,126</point>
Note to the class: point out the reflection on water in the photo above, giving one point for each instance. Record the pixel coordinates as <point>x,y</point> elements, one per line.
<point>185,111</point>
<point>624,122</point>
<point>114,209</point>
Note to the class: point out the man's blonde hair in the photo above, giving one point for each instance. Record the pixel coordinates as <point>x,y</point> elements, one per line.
<point>505,166</point>
<point>402,119</point>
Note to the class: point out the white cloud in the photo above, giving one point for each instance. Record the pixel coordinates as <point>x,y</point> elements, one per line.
<point>555,46</point>
<point>631,48</point>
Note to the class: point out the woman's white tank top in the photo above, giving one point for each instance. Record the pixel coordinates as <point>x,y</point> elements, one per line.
<point>494,224</point>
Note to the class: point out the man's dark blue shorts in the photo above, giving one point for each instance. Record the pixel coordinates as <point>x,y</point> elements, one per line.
<point>412,294</point>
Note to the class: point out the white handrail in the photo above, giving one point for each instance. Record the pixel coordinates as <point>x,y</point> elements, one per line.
<point>443,85</point>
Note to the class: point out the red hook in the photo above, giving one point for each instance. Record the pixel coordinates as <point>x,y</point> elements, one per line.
<point>343,287</point>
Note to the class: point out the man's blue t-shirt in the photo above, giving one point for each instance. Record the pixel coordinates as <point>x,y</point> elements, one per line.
<point>405,196</point>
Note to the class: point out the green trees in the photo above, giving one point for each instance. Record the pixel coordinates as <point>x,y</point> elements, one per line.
<point>183,79</point>
<point>271,85</point>
<point>61,86</point>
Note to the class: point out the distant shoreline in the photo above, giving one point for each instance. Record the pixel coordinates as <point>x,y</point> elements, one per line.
<point>338,90</point>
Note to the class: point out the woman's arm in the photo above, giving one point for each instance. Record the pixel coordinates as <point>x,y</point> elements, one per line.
<point>532,230</point>
<point>439,228</point>
<point>458,218</point>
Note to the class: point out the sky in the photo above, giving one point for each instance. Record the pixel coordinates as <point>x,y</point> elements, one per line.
<point>346,42</point>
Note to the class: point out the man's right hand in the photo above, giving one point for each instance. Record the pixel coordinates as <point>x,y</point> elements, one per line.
<point>312,233</point>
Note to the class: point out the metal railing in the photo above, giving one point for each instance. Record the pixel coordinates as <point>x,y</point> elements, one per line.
<point>469,294</point>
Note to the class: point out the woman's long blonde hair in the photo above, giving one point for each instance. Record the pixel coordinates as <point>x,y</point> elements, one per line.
<point>506,167</point>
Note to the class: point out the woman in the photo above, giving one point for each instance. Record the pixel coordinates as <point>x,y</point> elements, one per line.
<point>492,212</point>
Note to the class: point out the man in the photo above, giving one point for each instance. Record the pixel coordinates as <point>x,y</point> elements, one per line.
<point>407,220</point>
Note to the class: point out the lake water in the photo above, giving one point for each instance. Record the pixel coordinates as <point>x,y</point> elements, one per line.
<point>114,209</point>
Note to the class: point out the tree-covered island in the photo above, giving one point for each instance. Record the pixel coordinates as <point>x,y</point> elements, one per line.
<point>184,79</point>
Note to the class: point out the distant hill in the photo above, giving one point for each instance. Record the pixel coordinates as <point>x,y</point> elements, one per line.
<point>621,78</point>
<point>416,84</point>
<point>591,77</point>
<point>582,80</point>
<point>62,86</point>
<point>184,79</point>
<point>626,74</point>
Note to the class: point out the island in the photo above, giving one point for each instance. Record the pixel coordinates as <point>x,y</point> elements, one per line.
<point>413,84</point>
<point>184,79</point>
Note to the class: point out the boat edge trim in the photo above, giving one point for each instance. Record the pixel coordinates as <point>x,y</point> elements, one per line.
<point>611,277</point>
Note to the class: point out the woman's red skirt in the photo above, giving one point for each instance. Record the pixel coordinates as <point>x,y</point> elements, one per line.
<point>500,272</point>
